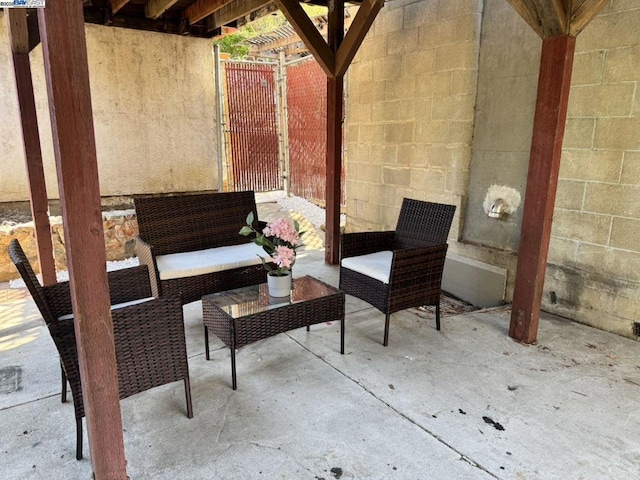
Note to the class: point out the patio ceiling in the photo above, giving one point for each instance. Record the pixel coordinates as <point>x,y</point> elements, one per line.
<point>199,18</point>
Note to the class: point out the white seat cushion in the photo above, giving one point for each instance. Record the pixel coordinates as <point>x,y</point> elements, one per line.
<point>201,262</point>
<point>113,307</point>
<point>375,265</point>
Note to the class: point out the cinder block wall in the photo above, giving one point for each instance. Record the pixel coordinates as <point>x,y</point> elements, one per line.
<point>412,92</point>
<point>153,102</point>
<point>594,261</point>
<point>411,133</point>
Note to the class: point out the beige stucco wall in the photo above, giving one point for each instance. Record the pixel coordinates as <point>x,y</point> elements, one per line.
<point>153,104</point>
<point>594,254</point>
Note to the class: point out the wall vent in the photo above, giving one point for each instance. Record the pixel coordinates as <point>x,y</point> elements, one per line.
<point>636,329</point>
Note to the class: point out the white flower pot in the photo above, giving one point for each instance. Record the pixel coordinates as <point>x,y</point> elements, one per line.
<point>279,286</point>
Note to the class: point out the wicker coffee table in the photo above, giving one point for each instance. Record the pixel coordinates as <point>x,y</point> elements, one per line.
<point>245,315</point>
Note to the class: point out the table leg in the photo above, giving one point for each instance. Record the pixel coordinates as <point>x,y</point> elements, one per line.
<point>206,342</point>
<point>233,368</point>
<point>342,335</point>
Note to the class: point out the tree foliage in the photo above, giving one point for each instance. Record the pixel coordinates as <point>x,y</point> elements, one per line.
<point>234,44</point>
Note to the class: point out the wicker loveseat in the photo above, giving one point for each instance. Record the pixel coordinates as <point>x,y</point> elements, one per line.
<point>192,246</point>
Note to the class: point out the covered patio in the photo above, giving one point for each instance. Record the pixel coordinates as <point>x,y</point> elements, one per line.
<point>463,403</point>
<point>467,402</point>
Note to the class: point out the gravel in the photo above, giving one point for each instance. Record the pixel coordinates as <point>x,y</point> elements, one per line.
<point>315,214</point>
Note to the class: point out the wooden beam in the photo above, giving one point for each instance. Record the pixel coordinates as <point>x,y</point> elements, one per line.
<point>62,31</point>
<point>258,13</point>
<point>116,5</point>
<point>203,8</point>
<point>554,83</point>
<point>18,30</point>
<point>335,101</point>
<point>155,8</point>
<point>96,16</point>
<point>583,12</point>
<point>32,26</point>
<point>234,11</point>
<point>548,18</point>
<point>309,34</point>
<point>362,22</point>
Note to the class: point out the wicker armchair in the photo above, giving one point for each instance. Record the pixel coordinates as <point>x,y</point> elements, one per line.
<point>148,333</point>
<point>395,270</point>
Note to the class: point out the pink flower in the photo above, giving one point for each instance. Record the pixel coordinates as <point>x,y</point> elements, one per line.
<point>283,230</point>
<point>284,257</point>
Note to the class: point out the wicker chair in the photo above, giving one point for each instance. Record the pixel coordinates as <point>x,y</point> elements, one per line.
<point>395,270</point>
<point>148,334</point>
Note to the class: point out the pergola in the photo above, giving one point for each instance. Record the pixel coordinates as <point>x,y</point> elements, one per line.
<point>60,28</point>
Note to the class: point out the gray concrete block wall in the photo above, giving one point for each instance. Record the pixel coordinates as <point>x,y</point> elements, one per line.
<point>411,103</point>
<point>434,121</point>
<point>595,253</point>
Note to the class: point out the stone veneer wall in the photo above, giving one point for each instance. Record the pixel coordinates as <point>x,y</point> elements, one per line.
<point>412,92</point>
<point>120,231</point>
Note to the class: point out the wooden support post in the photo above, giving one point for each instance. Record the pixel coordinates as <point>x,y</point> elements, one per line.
<point>335,91</point>
<point>19,39</point>
<point>335,88</point>
<point>67,75</point>
<point>544,163</point>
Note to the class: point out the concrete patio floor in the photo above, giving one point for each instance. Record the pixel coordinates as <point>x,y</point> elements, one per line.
<point>463,403</point>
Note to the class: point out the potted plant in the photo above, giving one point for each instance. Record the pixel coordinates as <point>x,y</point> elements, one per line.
<point>280,240</point>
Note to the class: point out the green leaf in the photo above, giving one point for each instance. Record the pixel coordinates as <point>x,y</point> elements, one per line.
<point>266,266</point>
<point>250,218</point>
<point>246,230</point>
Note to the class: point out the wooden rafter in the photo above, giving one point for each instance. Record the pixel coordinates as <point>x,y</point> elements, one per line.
<point>18,30</point>
<point>116,5</point>
<point>203,8</point>
<point>308,32</point>
<point>552,18</point>
<point>234,11</point>
<point>583,12</point>
<point>362,22</point>
<point>258,13</point>
<point>155,8</point>
<point>546,17</point>
<point>34,32</point>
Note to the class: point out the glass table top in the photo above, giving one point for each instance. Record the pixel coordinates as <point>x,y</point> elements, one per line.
<point>255,299</point>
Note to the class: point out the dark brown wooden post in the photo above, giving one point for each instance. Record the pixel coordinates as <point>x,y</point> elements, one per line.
<point>19,39</point>
<point>67,74</point>
<point>544,163</point>
<point>335,90</point>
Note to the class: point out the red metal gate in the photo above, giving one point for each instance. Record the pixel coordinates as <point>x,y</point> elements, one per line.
<point>252,127</point>
<point>307,130</point>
